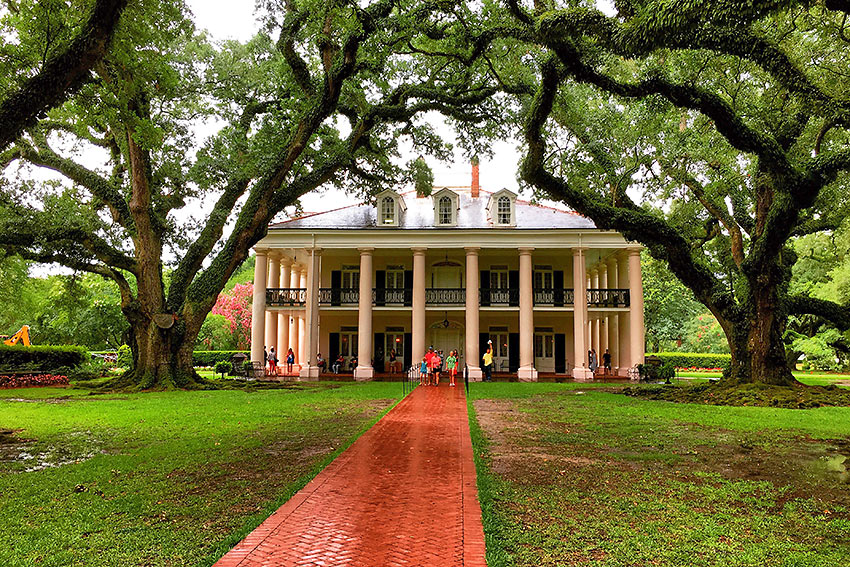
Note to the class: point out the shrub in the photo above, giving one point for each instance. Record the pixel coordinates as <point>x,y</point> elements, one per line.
<point>211,357</point>
<point>695,360</point>
<point>44,358</point>
<point>31,380</point>
<point>125,356</point>
<point>222,367</point>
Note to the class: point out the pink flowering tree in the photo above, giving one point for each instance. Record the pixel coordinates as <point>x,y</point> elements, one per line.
<point>235,306</point>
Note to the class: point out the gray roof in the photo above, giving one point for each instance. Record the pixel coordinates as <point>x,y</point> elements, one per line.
<point>472,214</point>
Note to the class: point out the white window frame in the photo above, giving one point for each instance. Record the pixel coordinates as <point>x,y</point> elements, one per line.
<point>499,212</point>
<point>389,215</point>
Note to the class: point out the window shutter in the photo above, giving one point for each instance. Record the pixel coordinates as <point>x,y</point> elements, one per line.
<point>513,285</point>
<point>408,287</point>
<point>336,287</point>
<point>408,350</point>
<point>558,284</point>
<point>513,352</point>
<point>560,353</point>
<point>484,283</point>
<point>380,287</point>
<point>378,353</point>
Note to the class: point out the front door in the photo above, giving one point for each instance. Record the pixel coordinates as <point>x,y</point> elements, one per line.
<point>544,351</point>
<point>500,350</point>
<point>447,340</point>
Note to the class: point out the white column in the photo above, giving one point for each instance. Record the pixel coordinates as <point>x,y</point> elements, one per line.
<point>472,321</point>
<point>603,317</point>
<point>309,370</point>
<point>364,370</point>
<point>580,370</point>
<point>595,331</point>
<point>526,372</point>
<point>294,283</point>
<point>271,316</point>
<point>613,320</point>
<point>302,323</point>
<point>625,318</point>
<point>258,306</point>
<point>418,323</point>
<point>637,343</point>
<point>283,316</point>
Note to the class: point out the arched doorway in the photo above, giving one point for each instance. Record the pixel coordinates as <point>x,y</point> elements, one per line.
<point>448,335</point>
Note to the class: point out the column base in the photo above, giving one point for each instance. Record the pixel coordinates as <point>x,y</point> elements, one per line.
<point>527,374</point>
<point>364,373</point>
<point>475,374</point>
<point>309,373</point>
<point>582,374</point>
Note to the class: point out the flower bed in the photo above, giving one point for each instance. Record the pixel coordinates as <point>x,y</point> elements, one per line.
<point>32,380</point>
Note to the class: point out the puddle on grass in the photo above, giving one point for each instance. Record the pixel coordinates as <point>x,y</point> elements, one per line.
<point>837,465</point>
<point>22,455</point>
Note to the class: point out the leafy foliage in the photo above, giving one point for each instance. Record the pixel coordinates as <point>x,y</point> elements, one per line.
<point>45,358</point>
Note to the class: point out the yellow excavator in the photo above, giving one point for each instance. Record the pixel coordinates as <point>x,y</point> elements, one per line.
<point>22,335</point>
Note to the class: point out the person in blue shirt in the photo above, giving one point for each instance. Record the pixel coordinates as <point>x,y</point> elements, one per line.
<point>423,372</point>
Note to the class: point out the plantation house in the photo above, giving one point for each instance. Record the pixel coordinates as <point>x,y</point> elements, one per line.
<point>456,270</point>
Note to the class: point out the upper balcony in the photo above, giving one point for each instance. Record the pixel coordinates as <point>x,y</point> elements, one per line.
<point>487,297</point>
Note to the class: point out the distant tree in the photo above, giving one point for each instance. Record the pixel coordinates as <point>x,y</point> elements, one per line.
<point>216,334</point>
<point>668,306</point>
<point>235,307</point>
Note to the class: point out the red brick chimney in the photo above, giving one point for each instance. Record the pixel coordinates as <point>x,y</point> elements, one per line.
<point>475,187</point>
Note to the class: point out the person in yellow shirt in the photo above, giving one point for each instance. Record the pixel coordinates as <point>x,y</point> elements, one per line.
<point>488,365</point>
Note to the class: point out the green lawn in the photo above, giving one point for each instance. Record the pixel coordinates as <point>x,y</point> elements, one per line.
<point>810,378</point>
<point>172,478</point>
<point>571,475</point>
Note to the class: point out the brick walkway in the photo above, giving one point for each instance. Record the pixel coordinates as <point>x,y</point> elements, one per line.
<point>402,494</point>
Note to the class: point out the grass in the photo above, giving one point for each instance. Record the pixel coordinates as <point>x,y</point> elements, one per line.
<point>168,478</point>
<point>572,475</point>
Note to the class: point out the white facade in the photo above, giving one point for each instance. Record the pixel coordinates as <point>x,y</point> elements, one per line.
<point>454,270</point>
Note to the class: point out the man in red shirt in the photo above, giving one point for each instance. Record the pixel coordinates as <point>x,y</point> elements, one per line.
<point>429,360</point>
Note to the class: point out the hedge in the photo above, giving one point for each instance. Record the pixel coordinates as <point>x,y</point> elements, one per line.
<point>210,357</point>
<point>693,359</point>
<point>44,358</point>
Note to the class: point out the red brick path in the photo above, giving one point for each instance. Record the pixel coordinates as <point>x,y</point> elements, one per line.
<point>402,494</point>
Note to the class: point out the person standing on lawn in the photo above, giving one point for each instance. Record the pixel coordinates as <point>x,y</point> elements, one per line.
<point>488,365</point>
<point>272,362</point>
<point>606,360</point>
<point>290,360</point>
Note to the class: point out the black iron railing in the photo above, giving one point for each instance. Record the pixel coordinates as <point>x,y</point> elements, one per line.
<point>499,296</point>
<point>445,296</point>
<point>608,297</point>
<point>339,296</point>
<point>392,296</point>
<point>297,297</point>
<point>283,297</point>
<point>553,297</point>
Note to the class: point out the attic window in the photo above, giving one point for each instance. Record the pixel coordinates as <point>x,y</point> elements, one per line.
<point>503,210</point>
<point>445,210</point>
<point>387,210</point>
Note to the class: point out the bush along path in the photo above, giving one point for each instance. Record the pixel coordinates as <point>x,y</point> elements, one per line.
<point>570,474</point>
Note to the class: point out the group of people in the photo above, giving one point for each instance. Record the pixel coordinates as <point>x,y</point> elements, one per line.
<point>433,364</point>
<point>270,357</point>
<point>593,360</point>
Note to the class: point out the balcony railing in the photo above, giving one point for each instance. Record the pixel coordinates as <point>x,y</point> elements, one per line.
<point>553,297</point>
<point>339,296</point>
<point>499,296</point>
<point>286,297</point>
<point>297,297</point>
<point>392,296</point>
<point>608,297</point>
<point>445,296</point>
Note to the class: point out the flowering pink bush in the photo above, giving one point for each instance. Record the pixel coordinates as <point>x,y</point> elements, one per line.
<point>235,306</point>
<point>31,380</point>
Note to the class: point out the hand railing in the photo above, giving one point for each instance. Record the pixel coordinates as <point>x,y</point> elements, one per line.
<point>339,296</point>
<point>608,297</point>
<point>445,296</point>
<point>283,297</point>
<point>499,296</point>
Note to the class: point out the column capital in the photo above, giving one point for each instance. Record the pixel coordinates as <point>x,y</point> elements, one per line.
<point>285,261</point>
<point>472,250</point>
<point>579,249</point>
<point>418,251</point>
<point>525,250</point>
<point>364,250</point>
<point>634,250</point>
<point>314,251</point>
<point>261,251</point>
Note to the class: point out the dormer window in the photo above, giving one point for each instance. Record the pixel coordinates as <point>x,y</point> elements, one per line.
<point>445,210</point>
<point>503,210</point>
<point>389,207</point>
<point>445,207</point>
<point>388,211</point>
